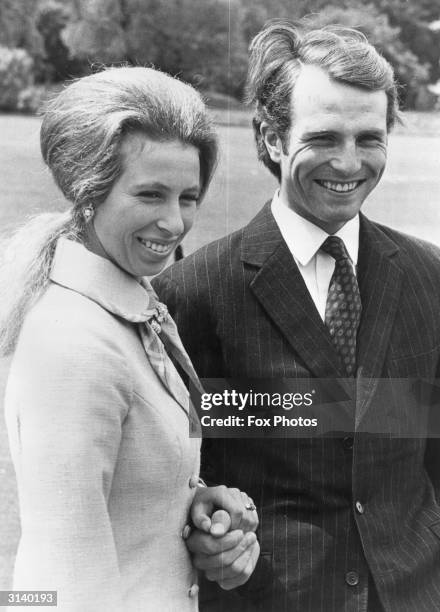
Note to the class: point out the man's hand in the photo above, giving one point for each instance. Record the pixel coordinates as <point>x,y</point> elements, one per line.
<point>228,560</point>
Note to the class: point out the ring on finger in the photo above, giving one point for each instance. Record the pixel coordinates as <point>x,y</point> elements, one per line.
<point>250,506</point>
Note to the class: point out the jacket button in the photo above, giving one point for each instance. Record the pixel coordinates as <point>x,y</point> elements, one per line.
<point>359,508</point>
<point>193,590</point>
<point>193,482</point>
<point>352,578</point>
<point>347,443</point>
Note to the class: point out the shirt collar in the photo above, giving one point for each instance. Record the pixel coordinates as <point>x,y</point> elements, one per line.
<point>304,238</point>
<point>98,279</point>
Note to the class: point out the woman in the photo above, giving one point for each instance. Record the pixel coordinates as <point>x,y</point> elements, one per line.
<point>98,416</point>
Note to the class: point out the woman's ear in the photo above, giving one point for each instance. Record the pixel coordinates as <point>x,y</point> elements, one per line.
<point>272,141</point>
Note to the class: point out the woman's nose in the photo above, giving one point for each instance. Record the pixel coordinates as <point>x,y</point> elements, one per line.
<point>170,220</point>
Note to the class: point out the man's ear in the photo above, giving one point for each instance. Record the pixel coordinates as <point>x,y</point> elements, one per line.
<point>272,141</point>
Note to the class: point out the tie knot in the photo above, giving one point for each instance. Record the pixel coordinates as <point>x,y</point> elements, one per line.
<point>334,246</point>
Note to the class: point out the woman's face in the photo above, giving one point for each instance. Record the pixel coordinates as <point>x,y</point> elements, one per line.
<point>152,204</point>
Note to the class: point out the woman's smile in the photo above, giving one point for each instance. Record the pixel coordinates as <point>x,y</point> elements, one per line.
<point>157,247</point>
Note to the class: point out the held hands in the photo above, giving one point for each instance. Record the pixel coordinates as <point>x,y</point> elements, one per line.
<point>224,544</point>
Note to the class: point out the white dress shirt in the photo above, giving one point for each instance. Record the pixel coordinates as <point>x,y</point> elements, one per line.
<point>304,240</point>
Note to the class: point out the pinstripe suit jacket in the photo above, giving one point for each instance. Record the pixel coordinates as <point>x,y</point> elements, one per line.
<point>243,310</point>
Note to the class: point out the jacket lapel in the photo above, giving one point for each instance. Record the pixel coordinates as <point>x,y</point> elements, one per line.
<point>280,288</point>
<point>380,280</point>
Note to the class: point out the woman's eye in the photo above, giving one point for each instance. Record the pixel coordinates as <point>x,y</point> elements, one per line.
<point>150,195</point>
<point>371,139</point>
<point>189,199</point>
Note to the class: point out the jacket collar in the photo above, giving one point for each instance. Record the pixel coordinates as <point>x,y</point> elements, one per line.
<point>261,237</point>
<point>78,269</point>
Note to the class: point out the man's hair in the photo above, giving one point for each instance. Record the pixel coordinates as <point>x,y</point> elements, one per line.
<point>277,54</point>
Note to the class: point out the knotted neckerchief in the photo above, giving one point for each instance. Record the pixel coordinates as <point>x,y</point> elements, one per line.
<point>162,342</point>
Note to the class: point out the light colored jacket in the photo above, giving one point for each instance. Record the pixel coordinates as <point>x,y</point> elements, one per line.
<point>105,466</point>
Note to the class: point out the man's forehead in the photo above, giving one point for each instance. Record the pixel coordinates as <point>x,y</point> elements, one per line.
<point>314,79</point>
<point>317,95</point>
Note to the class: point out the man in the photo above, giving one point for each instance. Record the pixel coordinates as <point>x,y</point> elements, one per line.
<point>312,288</point>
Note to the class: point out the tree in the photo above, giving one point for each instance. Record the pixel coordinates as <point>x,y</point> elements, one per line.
<point>15,76</point>
<point>17,28</point>
<point>200,40</point>
<point>413,20</point>
<point>95,33</point>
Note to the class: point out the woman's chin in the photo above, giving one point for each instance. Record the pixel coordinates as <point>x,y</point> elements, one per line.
<point>153,268</point>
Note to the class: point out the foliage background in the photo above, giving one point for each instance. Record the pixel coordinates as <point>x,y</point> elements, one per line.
<point>203,41</point>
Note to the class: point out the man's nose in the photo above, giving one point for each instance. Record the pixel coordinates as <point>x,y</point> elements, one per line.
<point>170,219</point>
<point>347,160</point>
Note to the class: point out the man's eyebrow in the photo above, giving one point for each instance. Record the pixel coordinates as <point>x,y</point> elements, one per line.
<point>367,132</point>
<point>313,134</point>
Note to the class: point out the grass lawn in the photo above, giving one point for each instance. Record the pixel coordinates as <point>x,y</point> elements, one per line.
<point>407,199</point>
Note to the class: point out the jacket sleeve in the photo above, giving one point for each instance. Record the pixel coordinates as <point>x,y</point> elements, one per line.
<point>67,396</point>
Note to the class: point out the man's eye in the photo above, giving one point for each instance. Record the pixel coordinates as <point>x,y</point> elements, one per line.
<point>325,139</point>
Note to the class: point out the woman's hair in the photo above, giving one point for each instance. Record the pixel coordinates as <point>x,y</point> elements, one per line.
<point>277,54</point>
<point>81,136</point>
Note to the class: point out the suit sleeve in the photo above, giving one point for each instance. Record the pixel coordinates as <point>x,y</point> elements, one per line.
<point>67,397</point>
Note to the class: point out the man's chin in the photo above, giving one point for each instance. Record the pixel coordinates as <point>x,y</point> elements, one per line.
<point>333,223</point>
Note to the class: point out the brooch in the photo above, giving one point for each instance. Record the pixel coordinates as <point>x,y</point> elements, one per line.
<point>160,315</point>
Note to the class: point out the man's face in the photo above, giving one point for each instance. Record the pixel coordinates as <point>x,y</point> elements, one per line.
<point>336,150</point>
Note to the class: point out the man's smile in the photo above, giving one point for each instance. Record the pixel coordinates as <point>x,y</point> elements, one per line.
<point>339,187</point>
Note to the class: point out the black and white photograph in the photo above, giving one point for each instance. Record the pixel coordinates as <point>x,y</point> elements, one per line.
<point>220,305</point>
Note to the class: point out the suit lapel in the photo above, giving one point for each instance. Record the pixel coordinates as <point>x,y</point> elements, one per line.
<point>280,289</point>
<point>380,280</point>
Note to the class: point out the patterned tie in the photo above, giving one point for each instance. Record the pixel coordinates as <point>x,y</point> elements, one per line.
<point>343,307</point>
